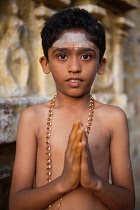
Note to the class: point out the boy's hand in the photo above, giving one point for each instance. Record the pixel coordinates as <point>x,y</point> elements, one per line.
<point>88,175</point>
<point>70,177</point>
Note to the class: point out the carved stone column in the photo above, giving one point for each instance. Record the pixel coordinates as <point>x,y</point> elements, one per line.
<point>97,11</point>
<point>122,25</point>
<point>39,82</point>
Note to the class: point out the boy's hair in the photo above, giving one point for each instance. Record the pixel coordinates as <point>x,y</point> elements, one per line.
<point>73,18</point>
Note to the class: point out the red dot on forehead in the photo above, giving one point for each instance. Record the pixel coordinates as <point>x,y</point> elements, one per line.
<point>76,30</point>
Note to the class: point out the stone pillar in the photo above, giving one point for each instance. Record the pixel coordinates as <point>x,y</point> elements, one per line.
<point>97,11</point>
<point>122,25</point>
<point>39,82</point>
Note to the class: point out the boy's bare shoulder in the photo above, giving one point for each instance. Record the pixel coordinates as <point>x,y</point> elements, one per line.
<point>35,111</point>
<point>110,112</point>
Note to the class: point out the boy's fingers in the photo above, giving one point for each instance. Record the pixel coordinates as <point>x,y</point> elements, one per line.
<point>85,139</point>
<point>85,146</point>
<point>73,133</point>
<point>78,154</point>
<point>78,139</point>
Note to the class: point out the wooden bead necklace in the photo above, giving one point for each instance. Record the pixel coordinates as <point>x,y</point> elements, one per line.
<point>48,134</point>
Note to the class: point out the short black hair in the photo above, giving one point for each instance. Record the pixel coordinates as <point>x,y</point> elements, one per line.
<point>73,18</point>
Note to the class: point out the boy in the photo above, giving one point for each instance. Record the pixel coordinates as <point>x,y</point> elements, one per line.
<point>68,144</point>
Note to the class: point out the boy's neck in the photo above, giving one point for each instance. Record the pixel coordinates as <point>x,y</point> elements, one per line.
<point>72,102</point>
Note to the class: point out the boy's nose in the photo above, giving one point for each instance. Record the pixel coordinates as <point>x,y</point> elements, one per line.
<point>74,66</point>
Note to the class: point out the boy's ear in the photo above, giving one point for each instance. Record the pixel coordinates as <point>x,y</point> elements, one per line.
<point>45,64</point>
<point>102,66</point>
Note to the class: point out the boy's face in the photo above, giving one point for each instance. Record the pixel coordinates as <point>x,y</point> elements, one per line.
<point>74,62</point>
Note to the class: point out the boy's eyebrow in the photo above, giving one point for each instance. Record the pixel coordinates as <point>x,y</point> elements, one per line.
<point>87,49</point>
<point>80,49</point>
<point>60,49</point>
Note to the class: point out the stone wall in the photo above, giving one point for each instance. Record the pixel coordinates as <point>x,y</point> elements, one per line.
<point>132,89</point>
<point>22,82</point>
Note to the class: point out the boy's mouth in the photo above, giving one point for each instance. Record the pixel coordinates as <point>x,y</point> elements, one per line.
<point>74,82</point>
<point>74,79</point>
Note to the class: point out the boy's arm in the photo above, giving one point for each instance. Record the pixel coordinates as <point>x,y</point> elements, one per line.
<point>22,195</point>
<point>120,194</point>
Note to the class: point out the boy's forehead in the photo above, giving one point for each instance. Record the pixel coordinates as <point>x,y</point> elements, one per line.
<point>73,38</point>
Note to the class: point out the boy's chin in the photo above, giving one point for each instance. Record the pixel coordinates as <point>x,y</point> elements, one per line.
<point>75,94</point>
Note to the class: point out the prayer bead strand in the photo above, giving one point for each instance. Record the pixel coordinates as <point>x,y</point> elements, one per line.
<point>48,135</point>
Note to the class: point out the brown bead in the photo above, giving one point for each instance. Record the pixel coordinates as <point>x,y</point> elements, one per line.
<point>90,119</point>
<point>47,142</point>
<point>48,123</point>
<point>59,205</point>
<point>49,206</point>
<point>49,180</point>
<point>87,132</point>
<point>49,173</point>
<point>90,114</point>
<point>89,124</point>
<point>48,167</point>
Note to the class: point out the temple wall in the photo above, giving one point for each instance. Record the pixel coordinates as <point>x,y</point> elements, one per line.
<point>22,82</point>
<point>132,89</point>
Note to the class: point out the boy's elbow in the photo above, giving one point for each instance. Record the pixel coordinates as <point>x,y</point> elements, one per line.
<point>13,201</point>
<point>131,201</point>
<point>127,201</point>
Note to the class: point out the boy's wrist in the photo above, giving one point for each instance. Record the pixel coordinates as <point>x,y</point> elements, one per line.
<point>96,184</point>
<point>61,187</point>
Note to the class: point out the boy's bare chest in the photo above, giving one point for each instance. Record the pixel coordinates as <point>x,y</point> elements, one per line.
<point>61,127</point>
<point>98,143</point>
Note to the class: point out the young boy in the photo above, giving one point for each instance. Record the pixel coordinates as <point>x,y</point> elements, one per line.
<point>68,144</point>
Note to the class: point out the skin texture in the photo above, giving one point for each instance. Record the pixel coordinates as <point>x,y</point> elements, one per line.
<point>80,170</point>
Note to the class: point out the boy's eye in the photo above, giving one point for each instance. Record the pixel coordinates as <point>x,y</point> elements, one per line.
<point>86,56</point>
<point>62,56</point>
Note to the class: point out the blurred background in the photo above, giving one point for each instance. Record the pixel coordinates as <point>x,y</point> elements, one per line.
<point>22,82</point>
